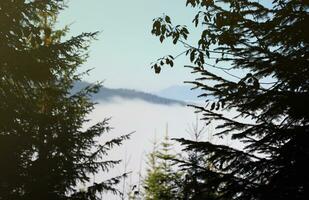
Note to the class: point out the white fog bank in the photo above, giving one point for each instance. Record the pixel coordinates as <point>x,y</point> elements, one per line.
<point>146,120</point>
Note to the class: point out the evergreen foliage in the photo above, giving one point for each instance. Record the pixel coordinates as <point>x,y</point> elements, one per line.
<point>252,57</point>
<point>192,165</point>
<point>45,151</point>
<point>162,181</point>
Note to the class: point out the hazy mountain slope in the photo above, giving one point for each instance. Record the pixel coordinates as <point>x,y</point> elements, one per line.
<point>108,94</point>
<point>184,93</point>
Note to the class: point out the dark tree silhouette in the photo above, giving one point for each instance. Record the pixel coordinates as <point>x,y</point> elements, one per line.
<point>45,152</point>
<point>252,57</point>
<point>192,165</point>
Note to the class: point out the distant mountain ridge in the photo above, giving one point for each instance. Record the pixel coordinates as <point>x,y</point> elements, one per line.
<point>180,92</point>
<point>109,94</point>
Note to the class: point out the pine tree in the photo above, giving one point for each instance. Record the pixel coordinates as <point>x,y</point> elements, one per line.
<point>162,180</point>
<point>252,59</point>
<point>194,184</point>
<point>45,152</point>
<point>152,188</point>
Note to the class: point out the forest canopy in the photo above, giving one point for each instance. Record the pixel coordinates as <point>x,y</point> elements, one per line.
<point>45,151</point>
<point>265,49</point>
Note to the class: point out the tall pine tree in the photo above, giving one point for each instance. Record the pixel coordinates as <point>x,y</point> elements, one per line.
<point>162,181</point>
<point>45,152</point>
<point>252,58</point>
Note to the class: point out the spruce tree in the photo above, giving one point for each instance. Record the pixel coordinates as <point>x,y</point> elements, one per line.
<point>154,173</point>
<point>194,183</point>
<point>252,59</point>
<point>162,181</point>
<point>45,151</point>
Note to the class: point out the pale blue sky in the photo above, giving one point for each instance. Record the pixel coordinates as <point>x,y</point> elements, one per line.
<point>125,48</point>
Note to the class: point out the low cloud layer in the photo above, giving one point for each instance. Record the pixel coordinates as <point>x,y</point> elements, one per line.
<point>146,120</point>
